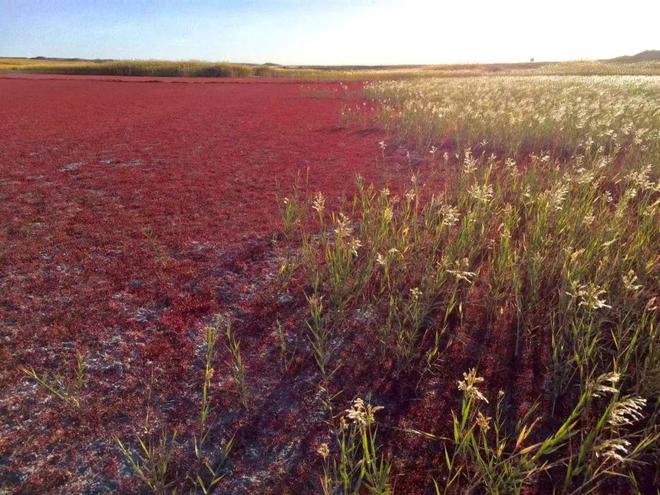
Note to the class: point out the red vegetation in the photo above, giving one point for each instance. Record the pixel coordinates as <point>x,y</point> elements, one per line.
<point>129,212</point>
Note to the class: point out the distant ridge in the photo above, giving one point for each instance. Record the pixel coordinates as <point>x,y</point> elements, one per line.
<point>645,56</point>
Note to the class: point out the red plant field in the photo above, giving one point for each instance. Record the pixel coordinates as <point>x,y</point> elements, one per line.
<point>130,212</point>
<point>134,210</point>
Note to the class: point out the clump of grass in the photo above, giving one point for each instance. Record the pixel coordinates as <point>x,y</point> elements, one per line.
<point>152,462</point>
<point>482,455</point>
<point>68,390</point>
<point>292,208</point>
<point>237,366</point>
<point>159,251</point>
<point>154,459</point>
<point>208,473</point>
<point>318,334</point>
<point>210,339</point>
<point>359,466</point>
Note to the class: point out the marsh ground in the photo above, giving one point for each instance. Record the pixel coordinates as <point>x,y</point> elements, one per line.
<point>133,210</point>
<point>129,213</point>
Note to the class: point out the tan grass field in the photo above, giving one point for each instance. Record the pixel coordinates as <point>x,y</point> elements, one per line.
<point>194,68</point>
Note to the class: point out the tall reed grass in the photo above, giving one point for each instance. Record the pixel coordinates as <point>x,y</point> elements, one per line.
<point>558,116</point>
<point>547,224</point>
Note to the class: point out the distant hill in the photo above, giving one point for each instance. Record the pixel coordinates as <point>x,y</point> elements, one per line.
<point>645,56</point>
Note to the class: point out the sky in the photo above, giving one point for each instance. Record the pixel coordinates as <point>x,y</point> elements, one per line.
<point>368,32</point>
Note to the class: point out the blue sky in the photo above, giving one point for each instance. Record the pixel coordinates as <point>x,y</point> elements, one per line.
<point>331,31</point>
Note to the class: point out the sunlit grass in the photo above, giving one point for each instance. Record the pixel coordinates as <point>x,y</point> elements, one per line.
<point>547,225</point>
<point>563,117</point>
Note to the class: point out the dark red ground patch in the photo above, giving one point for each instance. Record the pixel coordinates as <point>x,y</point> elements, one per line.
<point>87,167</point>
